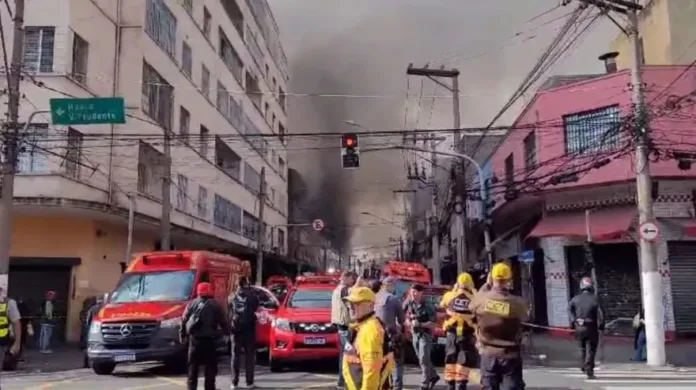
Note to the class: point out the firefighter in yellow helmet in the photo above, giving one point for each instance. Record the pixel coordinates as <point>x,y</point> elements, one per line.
<point>460,350</point>
<point>368,359</point>
<point>499,316</point>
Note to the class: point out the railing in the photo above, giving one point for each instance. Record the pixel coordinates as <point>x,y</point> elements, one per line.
<point>254,49</point>
<point>269,30</point>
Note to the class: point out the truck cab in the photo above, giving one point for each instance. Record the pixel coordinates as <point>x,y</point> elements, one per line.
<point>406,275</point>
<point>140,321</point>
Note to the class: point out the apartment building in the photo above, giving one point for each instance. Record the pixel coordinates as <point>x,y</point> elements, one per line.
<point>667,34</point>
<point>210,74</point>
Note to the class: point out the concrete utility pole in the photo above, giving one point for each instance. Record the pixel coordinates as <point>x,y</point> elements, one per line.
<point>10,143</point>
<point>261,229</point>
<point>165,222</point>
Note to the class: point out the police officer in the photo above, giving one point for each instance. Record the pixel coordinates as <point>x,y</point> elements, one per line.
<point>388,309</point>
<point>200,327</point>
<point>587,319</point>
<point>367,357</point>
<point>499,315</point>
<point>460,352</point>
<point>422,318</point>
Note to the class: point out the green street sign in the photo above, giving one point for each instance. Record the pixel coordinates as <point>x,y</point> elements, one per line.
<point>90,111</point>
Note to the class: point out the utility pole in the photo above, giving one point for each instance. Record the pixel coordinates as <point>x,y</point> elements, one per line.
<point>401,249</point>
<point>165,222</point>
<point>326,264</point>
<point>261,229</point>
<point>435,75</point>
<point>11,143</point>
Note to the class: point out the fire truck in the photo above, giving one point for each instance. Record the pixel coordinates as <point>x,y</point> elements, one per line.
<point>406,275</point>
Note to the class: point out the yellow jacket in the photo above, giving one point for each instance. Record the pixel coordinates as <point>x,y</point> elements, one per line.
<point>367,363</point>
<point>455,320</point>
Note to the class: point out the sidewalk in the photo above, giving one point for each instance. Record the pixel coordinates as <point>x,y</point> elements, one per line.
<point>63,358</point>
<point>564,352</point>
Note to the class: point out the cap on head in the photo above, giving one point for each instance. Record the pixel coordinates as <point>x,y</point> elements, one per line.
<point>204,289</point>
<point>360,295</point>
<point>586,283</point>
<point>388,280</point>
<point>50,294</point>
<point>501,271</point>
<point>465,280</point>
<point>418,287</point>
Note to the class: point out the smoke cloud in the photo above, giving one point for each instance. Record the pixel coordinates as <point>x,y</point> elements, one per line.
<point>363,47</point>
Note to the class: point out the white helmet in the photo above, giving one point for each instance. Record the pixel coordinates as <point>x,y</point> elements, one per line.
<point>586,283</point>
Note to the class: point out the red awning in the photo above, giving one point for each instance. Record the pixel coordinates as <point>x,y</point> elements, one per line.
<point>688,226</point>
<point>605,224</point>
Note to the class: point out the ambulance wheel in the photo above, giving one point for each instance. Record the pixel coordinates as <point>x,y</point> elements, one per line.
<point>103,368</point>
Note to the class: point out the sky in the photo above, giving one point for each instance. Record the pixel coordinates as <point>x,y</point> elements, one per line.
<point>362,48</point>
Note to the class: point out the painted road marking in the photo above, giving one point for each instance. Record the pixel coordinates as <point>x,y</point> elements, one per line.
<point>51,384</point>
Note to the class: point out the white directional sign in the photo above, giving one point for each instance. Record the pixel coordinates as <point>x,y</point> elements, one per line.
<point>649,231</point>
<point>318,225</point>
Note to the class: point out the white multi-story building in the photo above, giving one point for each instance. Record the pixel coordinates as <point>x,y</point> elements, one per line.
<point>211,72</point>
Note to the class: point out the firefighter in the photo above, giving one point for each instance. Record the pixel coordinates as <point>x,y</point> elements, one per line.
<point>587,319</point>
<point>367,357</point>
<point>460,351</point>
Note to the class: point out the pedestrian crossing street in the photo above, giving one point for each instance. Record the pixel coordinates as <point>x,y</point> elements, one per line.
<point>633,378</point>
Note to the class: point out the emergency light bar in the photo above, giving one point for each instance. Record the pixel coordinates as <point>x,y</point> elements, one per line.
<point>314,279</point>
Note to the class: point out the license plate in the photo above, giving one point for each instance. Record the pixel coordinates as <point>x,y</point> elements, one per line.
<point>442,340</point>
<point>124,358</point>
<point>315,341</point>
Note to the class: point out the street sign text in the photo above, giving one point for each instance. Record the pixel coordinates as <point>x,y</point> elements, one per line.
<point>91,111</point>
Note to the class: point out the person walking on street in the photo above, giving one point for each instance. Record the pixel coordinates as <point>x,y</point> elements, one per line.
<point>340,317</point>
<point>423,319</point>
<point>367,360</point>
<point>639,338</point>
<point>25,314</point>
<point>243,307</point>
<point>201,323</point>
<point>89,317</point>
<point>46,315</point>
<point>587,319</point>
<point>460,350</point>
<point>388,309</point>
<point>499,315</point>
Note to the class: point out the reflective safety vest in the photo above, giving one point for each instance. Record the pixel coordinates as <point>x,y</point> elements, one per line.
<point>4,323</point>
<point>368,361</point>
<point>456,303</point>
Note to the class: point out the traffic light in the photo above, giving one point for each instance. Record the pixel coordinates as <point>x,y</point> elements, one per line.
<point>350,152</point>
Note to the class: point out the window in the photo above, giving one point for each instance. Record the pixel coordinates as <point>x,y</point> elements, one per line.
<point>207,23</point>
<point>33,157</point>
<point>281,133</point>
<point>311,299</point>
<point>281,240</point>
<point>268,71</point>
<point>38,49</point>
<point>166,286</point>
<point>509,172</point>
<point>226,159</point>
<point>230,57</point>
<point>181,192</point>
<point>205,81</point>
<point>592,131</point>
<point>150,170</point>
<point>204,139</point>
<point>188,5</point>
<point>158,97</point>
<point>266,110</point>
<point>530,157</point>
<point>202,202</point>
<point>253,91</point>
<point>281,97</point>
<point>227,215</point>
<point>274,85</point>
<point>184,123</point>
<point>281,167</point>
<point>273,120</point>
<point>160,24</point>
<point>79,59</point>
<point>74,153</point>
<point>223,99</point>
<point>252,179</point>
<point>186,59</point>
<point>250,225</point>
<point>236,16</point>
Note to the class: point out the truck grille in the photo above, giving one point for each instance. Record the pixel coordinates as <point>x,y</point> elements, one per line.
<point>134,335</point>
<point>315,327</point>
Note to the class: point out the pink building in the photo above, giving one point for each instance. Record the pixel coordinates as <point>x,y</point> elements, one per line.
<point>570,151</point>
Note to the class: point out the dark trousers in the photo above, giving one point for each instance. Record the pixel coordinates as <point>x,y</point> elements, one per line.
<point>501,373</point>
<point>202,352</point>
<point>243,347</point>
<point>588,339</point>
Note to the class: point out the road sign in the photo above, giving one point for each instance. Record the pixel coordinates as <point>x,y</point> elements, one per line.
<point>527,257</point>
<point>318,225</point>
<point>649,231</point>
<point>91,111</point>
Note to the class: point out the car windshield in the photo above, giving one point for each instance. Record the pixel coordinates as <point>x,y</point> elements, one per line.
<point>401,287</point>
<point>310,299</point>
<point>154,286</point>
<point>433,298</point>
<point>279,290</point>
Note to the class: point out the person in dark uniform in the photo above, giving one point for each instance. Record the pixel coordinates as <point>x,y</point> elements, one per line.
<point>587,319</point>
<point>499,315</point>
<point>423,319</point>
<point>200,328</point>
<point>242,307</point>
<point>25,313</point>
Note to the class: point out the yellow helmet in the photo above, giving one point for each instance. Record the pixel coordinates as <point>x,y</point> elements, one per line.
<point>465,280</point>
<point>501,271</point>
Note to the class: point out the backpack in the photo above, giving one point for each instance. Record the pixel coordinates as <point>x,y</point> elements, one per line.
<point>244,313</point>
<point>196,319</point>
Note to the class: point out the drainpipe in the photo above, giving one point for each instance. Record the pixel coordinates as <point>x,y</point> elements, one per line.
<point>114,87</point>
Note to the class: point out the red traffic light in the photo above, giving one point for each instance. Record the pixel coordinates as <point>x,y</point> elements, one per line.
<point>349,140</point>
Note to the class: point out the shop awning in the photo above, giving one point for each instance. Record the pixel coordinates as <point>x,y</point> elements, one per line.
<point>688,226</point>
<point>605,224</point>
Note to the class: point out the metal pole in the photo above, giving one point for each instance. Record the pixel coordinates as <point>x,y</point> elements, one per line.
<point>401,249</point>
<point>435,230</point>
<point>131,220</point>
<point>10,144</point>
<point>459,231</point>
<point>593,269</point>
<point>261,229</point>
<point>165,222</point>
<point>651,281</point>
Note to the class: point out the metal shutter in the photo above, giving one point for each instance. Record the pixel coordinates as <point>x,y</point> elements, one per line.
<point>682,263</point>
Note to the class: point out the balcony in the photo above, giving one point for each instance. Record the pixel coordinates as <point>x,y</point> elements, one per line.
<point>254,48</point>
<point>253,91</point>
<point>227,160</point>
<point>235,14</point>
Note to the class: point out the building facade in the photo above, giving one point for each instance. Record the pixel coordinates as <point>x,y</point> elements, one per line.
<point>565,175</point>
<point>667,32</point>
<point>211,75</point>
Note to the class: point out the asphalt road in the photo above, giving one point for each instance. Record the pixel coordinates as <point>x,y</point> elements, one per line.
<point>137,377</point>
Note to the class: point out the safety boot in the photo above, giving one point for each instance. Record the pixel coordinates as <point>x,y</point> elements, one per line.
<point>462,385</point>
<point>451,385</point>
<point>590,373</point>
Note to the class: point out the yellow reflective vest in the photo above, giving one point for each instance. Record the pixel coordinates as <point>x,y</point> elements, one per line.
<point>367,359</point>
<point>456,304</point>
<point>4,323</point>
